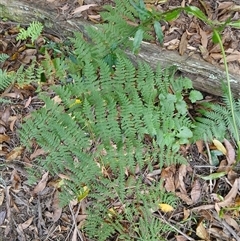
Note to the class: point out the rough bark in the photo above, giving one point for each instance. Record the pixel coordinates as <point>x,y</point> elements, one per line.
<point>205,76</point>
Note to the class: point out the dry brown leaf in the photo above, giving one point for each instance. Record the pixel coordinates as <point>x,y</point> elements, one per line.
<point>57,209</point>
<point>199,145</point>
<point>12,120</point>
<point>186,213</point>
<point>216,56</point>
<point>183,44</point>
<point>182,174</point>
<point>37,153</point>
<point>202,232</point>
<point>27,223</point>
<point>1,196</point>
<point>2,128</point>
<point>16,180</point>
<point>167,175</point>
<point>169,184</point>
<point>4,138</point>
<point>185,198</point>
<point>203,207</point>
<point>228,200</point>
<point>13,95</point>
<point>231,58</point>
<point>204,38</point>
<point>232,175</point>
<point>15,154</point>
<point>6,115</point>
<point>2,217</point>
<point>28,102</point>
<point>232,222</point>
<point>80,2</point>
<point>180,238</point>
<point>83,8</point>
<point>196,191</point>
<point>42,184</point>
<point>230,152</point>
<point>224,5</point>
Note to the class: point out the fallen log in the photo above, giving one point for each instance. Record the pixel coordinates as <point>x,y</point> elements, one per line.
<point>205,76</point>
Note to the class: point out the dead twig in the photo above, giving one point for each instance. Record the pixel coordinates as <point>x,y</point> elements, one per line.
<point>224,223</point>
<point>74,221</point>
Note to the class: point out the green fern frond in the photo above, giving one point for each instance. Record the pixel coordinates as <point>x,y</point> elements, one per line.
<point>5,79</point>
<point>218,122</point>
<point>33,31</point>
<point>3,57</point>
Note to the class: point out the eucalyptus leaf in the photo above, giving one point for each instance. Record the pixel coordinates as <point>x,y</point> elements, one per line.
<point>213,176</point>
<point>196,12</point>
<point>171,15</point>
<point>137,39</point>
<point>158,31</point>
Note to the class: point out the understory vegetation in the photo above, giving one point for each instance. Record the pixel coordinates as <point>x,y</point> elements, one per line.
<point>107,120</point>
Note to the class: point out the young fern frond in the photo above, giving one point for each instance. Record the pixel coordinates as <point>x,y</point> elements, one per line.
<point>218,122</point>
<point>5,79</point>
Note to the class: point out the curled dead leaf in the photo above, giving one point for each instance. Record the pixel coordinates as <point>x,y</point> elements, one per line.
<point>183,44</point>
<point>196,191</point>
<point>15,154</point>
<point>202,232</point>
<point>4,138</point>
<point>57,209</point>
<point>42,184</point>
<point>1,196</point>
<point>230,152</point>
<point>228,200</point>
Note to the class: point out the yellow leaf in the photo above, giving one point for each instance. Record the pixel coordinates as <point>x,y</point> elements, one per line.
<point>82,194</point>
<point>165,207</point>
<point>111,212</point>
<point>219,146</point>
<point>77,101</point>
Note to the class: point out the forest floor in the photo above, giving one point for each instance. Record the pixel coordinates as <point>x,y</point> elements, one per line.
<point>32,212</point>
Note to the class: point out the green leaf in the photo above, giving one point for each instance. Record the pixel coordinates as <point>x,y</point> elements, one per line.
<point>196,12</point>
<point>181,106</point>
<point>213,176</point>
<point>214,156</point>
<point>141,9</point>
<point>137,39</point>
<point>216,37</point>
<point>235,24</point>
<point>158,31</point>
<point>3,57</point>
<point>195,95</point>
<point>171,15</point>
<point>184,134</point>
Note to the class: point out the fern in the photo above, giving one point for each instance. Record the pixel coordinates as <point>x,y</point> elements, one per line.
<point>217,122</point>
<point>96,134</point>
<point>104,131</point>
<point>5,79</point>
<point>3,57</point>
<point>33,31</point>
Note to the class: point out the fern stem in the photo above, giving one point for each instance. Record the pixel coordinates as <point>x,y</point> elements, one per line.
<point>229,87</point>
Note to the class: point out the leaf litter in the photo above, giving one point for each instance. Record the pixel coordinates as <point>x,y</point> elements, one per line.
<point>32,211</point>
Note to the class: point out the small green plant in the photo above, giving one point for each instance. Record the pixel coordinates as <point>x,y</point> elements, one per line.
<point>110,120</point>
<point>33,32</point>
<point>226,118</point>
<point>3,57</point>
